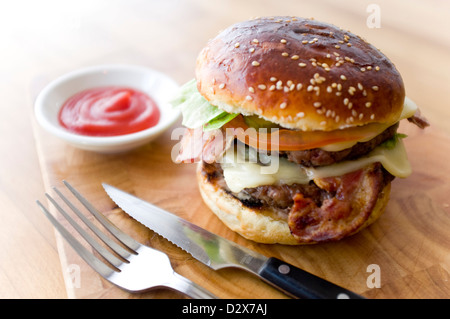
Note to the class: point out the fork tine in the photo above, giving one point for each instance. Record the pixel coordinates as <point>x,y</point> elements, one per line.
<point>121,236</point>
<point>108,241</point>
<point>87,256</point>
<point>100,249</point>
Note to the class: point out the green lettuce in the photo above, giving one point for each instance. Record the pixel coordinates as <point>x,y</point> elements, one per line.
<point>392,142</point>
<point>197,111</point>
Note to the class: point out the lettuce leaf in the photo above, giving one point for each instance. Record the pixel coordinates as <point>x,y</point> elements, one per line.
<point>197,111</point>
<point>219,121</point>
<point>390,143</point>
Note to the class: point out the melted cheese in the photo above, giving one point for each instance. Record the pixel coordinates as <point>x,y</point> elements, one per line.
<point>409,108</point>
<point>241,170</point>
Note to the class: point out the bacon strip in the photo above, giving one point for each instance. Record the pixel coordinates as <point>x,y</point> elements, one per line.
<point>419,120</point>
<point>352,199</point>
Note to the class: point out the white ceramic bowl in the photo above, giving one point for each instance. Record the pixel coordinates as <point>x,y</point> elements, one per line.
<point>157,85</point>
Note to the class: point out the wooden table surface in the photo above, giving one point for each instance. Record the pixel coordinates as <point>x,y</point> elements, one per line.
<point>40,40</point>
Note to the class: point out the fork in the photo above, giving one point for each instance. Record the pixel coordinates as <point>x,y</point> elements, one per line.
<point>136,268</point>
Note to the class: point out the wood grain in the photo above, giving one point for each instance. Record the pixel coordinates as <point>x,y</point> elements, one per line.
<point>409,243</point>
<point>42,40</point>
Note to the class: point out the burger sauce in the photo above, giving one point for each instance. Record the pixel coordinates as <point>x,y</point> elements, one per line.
<point>108,111</point>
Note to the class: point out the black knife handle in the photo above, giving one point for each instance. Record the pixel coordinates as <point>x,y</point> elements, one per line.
<point>301,284</point>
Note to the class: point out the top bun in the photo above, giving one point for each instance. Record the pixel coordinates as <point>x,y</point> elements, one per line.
<point>301,74</point>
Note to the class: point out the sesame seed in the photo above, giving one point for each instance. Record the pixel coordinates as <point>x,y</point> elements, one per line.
<point>377,68</point>
<point>336,118</point>
<point>351,90</point>
<point>369,68</point>
<point>283,41</point>
<point>339,87</point>
<point>328,55</point>
<point>249,98</point>
<point>360,87</point>
<point>363,69</point>
<point>317,104</point>
<point>221,86</point>
<point>283,105</point>
<point>236,45</point>
<point>301,114</point>
<point>323,123</point>
<point>279,84</point>
<point>272,87</point>
<point>251,50</point>
<point>329,89</point>
<point>350,105</point>
<point>255,63</point>
<point>292,87</point>
<point>372,116</point>
<point>285,54</point>
<point>289,82</point>
<point>354,113</point>
<point>305,41</point>
<point>346,101</point>
<point>299,86</point>
<point>337,46</point>
<point>273,79</point>
<point>336,54</point>
<point>295,57</point>
<point>310,88</point>
<point>255,41</point>
<point>368,104</point>
<point>261,87</point>
<point>375,88</point>
<point>364,93</point>
<point>361,116</point>
<point>286,89</point>
<point>302,65</point>
<point>343,77</point>
<point>251,89</point>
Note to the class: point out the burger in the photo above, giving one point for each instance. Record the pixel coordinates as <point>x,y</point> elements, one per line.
<point>293,124</point>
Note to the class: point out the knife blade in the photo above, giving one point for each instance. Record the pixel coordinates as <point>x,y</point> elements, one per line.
<point>218,252</point>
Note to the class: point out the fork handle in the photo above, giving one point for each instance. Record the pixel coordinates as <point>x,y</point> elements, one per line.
<point>189,288</point>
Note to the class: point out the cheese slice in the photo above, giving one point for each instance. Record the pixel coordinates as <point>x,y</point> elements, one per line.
<point>241,169</point>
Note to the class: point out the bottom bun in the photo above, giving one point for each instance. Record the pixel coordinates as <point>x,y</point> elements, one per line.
<point>264,225</point>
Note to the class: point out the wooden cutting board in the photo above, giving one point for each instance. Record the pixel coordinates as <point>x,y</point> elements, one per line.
<point>407,249</point>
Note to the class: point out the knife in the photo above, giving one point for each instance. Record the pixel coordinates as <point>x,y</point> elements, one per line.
<point>218,252</point>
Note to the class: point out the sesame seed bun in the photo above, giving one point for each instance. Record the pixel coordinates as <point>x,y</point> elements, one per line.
<point>301,74</point>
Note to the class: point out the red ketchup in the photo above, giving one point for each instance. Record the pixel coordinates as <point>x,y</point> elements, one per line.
<point>108,111</point>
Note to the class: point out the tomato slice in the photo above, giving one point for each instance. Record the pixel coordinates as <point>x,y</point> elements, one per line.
<point>292,140</point>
